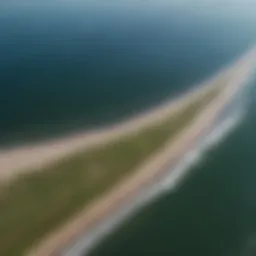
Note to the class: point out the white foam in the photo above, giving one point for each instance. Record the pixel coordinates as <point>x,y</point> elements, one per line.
<point>167,183</point>
<point>194,156</point>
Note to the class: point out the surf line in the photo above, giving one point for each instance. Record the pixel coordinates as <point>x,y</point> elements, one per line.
<point>168,183</point>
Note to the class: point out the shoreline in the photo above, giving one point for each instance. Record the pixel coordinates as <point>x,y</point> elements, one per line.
<point>22,159</point>
<point>28,158</point>
<point>169,181</point>
<point>150,169</point>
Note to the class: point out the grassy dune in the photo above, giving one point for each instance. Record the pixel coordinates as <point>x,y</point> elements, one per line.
<point>35,203</point>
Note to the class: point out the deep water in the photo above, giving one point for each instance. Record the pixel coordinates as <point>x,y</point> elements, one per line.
<point>212,213</point>
<point>68,66</point>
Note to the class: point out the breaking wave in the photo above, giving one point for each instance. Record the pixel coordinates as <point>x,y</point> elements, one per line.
<point>168,183</point>
<point>194,156</point>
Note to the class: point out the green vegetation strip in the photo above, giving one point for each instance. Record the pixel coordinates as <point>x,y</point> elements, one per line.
<point>35,203</point>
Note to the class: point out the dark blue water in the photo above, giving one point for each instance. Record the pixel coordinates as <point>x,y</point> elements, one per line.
<point>73,65</point>
<point>212,213</point>
<point>68,66</point>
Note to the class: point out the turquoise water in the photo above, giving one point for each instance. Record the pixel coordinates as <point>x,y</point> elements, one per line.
<point>68,66</point>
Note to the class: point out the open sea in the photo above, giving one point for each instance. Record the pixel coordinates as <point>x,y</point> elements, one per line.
<point>211,213</point>
<point>67,66</point>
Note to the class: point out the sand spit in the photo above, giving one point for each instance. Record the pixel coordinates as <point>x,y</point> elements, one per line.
<point>29,158</point>
<point>235,77</point>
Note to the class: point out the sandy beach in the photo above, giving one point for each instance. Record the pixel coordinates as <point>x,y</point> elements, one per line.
<point>27,158</point>
<point>236,75</point>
